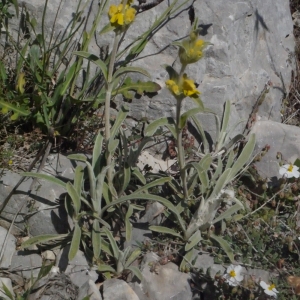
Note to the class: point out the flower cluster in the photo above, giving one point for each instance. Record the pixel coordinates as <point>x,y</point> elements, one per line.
<point>191,49</point>
<point>184,86</point>
<point>234,277</point>
<point>289,171</point>
<point>121,16</point>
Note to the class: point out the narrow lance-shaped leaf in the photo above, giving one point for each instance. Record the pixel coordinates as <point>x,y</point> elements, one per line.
<point>96,60</point>
<point>244,157</point>
<point>96,239</point>
<point>75,197</point>
<point>128,225</point>
<point>19,109</point>
<point>45,177</point>
<point>133,256</point>
<point>225,246</point>
<point>151,128</point>
<point>136,272</point>
<point>113,243</point>
<point>228,213</point>
<point>162,229</point>
<point>124,70</point>
<point>193,241</point>
<point>75,242</point>
<point>42,239</point>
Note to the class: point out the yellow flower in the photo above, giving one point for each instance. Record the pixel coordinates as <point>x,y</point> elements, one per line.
<point>10,162</point>
<point>189,88</point>
<point>185,86</point>
<point>121,16</point>
<point>173,87</point>
<point>191,49</point>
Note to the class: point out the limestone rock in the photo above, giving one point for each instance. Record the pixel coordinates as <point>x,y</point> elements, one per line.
<point>7,241</point>
<point>118,289</point>
<point>281,138</point>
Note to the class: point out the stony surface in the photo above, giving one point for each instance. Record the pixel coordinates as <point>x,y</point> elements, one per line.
<point>253,44</point>
<point>118,289</point>
<point>27,263</point>
<point>90,288</point>
<point>281,138</point>
<point>8,284</point>
<point>8,247</point>
<point>46,215</point>
<point>78,268</point>
<point>166,282</point>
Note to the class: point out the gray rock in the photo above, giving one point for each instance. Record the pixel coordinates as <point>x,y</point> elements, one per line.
<point>167,283</point>
<point>47,216</point>
<point>205,261</point>
<point>253,44</point>
<point>8,284</point>
<point>27,264</point>
<point>78,268</point>
<point>116,289</point>
<point>153,214</point>
<point>281,138</point>
<point>89,288</point>
<point>8,247</point>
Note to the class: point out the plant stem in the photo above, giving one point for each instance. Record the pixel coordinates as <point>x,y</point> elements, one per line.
<point>107,103</point>
<point>181,156</point>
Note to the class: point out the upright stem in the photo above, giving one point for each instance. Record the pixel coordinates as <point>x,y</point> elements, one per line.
<point>181,155</point>
<point>107,103</point>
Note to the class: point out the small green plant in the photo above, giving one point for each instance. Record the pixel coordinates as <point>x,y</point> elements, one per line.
<point>102,195</point>
<point>200,190</point>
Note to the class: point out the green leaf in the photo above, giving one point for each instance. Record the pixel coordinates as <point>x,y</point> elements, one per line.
<point>133,256</point>
<point>226,116</point>
<point>96,239</point>
<point>106,268</point>
<point>123,70</point>
<point>42,239</point>
<point>154,183</point>
<point>17,109</point>
<point>78,179</point>
<point>45,177</point>
<point>186,261</point>
<point>188,114</point>
<point>112,145</point>
<point>7,291</point>
<point>79,157</point>
<point>107,28</point>
<point>136,272</point>
<point>173,75</point>
<point>140,196</point>
<point>119,121</point>
<point>140,87</point>
<point>193,241</point>
<point>225,246</point>
<point>244,157</point>
<point>151,128</point>
<point>137,173</point>
<point>96,60</point>
<point>222,181</point>
<point>69,77</point>
<point>202,134</point>
<point>162,229</point>
<point>113,243</point>
<point>128,225</point>
<point>97,153</point>
<point>228,213</point>
<point>75,197</point>
<point>75,242</point>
